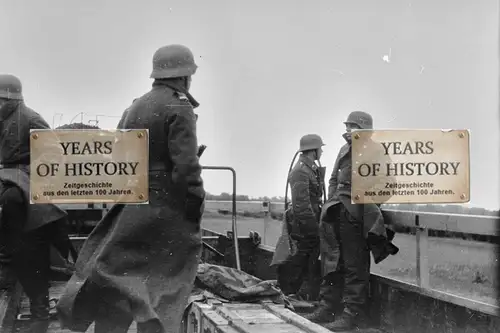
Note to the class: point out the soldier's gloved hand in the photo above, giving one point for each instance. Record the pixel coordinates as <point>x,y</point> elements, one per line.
<point>194,208</point>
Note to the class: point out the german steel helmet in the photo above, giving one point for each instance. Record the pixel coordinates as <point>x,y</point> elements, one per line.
<point>310,142</point>
<point>10,87</point>
<point>173,61</point>
<point>360,118</point>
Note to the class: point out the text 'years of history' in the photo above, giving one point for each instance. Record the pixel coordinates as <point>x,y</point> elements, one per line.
<point>410,166</point>
<point>89,166</point>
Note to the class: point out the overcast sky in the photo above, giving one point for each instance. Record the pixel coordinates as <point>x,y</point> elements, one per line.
<point>269,72</point>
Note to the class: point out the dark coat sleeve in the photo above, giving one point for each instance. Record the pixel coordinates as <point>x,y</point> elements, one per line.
<point>122,120</point>
<point>124,116</point>
<point>16,144</point>
<point>301,200</point>
<point>37,122</point>
<point>333,182</point>
<point>183,149</point>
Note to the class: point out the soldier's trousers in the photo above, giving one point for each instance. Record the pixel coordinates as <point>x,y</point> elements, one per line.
<point>347,287</point>
<point>302,267</point>
<point>31,264</point>
<point>30,255</point>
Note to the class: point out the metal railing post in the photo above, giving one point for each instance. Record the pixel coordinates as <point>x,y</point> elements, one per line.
<point>234,225</point>
<point>421,236</point>
<point>267,220</point>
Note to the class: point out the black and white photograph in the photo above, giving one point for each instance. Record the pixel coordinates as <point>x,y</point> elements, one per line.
<point>233,166</point>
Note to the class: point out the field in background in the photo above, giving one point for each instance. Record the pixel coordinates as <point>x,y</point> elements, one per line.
<point>461,267</point>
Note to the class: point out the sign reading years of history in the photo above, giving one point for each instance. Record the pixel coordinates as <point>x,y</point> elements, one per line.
<point>89,166</point>
<point>410,166</point>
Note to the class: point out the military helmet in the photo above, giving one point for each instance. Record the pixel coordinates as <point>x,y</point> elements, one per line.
<point>10,87</point>
<point>360,118</point>
<point>173,61</point>
<point>310,142</point>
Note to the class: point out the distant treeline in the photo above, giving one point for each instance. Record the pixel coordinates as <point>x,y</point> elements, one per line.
<point>451,209</point>
<point>77,126</point>
<point>228,197</point>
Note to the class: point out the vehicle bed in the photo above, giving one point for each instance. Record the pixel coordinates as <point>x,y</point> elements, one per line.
<point>395,306</point>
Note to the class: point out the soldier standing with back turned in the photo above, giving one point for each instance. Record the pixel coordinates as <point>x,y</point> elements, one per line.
<point>140,262</point>
<point>26,231</point>
<point>306,183</point>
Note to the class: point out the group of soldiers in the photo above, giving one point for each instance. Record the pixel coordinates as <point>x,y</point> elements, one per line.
<point>342,234</point>
<point>140,261</point>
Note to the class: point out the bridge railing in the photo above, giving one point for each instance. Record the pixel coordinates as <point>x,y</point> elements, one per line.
<point>422,225</point>
<point>457,223</point>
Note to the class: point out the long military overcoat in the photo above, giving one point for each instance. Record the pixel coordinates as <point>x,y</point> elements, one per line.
<point>143,259</point>
<point>16,120</point>
<point>339,192</point>
<point>306,182</point>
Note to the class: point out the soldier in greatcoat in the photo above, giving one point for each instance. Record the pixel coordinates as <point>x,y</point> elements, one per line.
<point>140,262</point>
<point>306,184</point>
<point>27,231</point>
<point>348,233</point>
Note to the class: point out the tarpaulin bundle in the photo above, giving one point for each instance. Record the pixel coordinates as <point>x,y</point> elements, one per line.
<point>235,285</point>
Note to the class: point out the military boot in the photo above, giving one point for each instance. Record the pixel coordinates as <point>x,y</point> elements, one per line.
<point>322,314</point>
<point>40,316</point>
<point>345,322</point>
<point>325,312</point>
